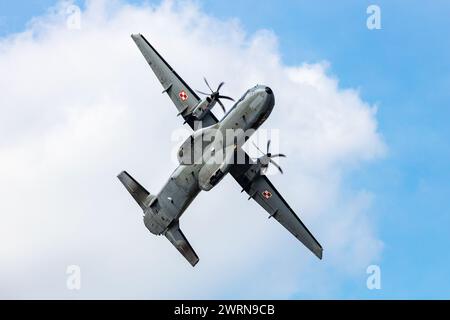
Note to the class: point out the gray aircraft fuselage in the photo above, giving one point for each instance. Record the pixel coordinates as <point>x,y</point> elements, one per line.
<point>192,176</point>
<point>214,149</point>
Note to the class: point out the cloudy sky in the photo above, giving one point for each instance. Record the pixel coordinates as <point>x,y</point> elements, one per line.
<point>361,114</point>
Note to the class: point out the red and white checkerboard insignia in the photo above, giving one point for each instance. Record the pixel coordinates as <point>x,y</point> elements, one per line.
<point>183,95</point>
<point>267,194</point>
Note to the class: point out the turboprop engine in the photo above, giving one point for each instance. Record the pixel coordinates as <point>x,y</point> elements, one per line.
<point>209,102</point>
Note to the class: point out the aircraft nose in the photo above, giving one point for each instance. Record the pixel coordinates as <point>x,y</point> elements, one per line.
<point>268,90</point>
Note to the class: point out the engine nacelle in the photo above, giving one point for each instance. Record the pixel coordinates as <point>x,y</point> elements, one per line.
<point>202,108</point>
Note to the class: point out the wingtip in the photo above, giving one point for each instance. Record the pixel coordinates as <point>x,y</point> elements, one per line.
<point>320,254</point>
<point>194,263</point>
<point>121,174</point>
<point>136,37</point>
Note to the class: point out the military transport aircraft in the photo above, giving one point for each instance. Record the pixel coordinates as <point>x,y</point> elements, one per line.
<point>162,211</point>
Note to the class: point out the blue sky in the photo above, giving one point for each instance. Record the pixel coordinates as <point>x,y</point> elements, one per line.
<point>404,68</point>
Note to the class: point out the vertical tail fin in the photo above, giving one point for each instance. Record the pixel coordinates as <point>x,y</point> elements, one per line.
<point>139,193</point>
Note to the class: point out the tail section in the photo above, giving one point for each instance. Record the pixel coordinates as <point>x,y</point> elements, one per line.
<point>139,193</point>
<point>177,238</point>
<point>156,219</point>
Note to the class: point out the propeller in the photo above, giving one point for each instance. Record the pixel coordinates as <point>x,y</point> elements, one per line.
<point>267,158</point>
<point>215,96</point>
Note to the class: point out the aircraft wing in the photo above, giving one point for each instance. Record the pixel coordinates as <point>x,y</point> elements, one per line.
<point>179,92</point>
<point>264,193</point>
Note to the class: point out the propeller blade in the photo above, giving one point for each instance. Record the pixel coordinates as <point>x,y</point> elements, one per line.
<point>220,86</point>
<point>201,92</point>
<point>206,81</point>
<point>226,97</point>
<point>278,155</point>
<point>268,145</point>
<point>257,148</point>
<point>223,107</point>
<point>276,165</point>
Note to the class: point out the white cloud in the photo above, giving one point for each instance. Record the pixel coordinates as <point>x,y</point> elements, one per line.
<point>78,106</point>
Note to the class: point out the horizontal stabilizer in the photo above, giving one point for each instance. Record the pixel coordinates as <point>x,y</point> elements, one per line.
<point>138,192</point>
<point>180,242</point>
